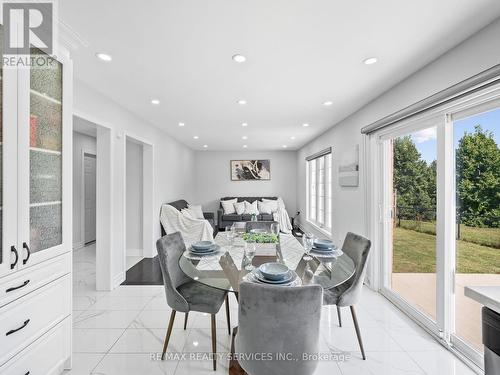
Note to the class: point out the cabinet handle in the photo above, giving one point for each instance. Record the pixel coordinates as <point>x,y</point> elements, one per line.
<point>25,246</point>
<point>18,329</point>
<point>17,287</point>
<point>13,249</point>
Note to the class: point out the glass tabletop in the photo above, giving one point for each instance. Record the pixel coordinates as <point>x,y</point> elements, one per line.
<point>226,268</point>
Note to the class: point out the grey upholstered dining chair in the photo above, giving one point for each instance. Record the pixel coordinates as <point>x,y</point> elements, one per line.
<point>348,293</point>
<point>250,225</point>
<point>184,294</point>
<point>278,320</point>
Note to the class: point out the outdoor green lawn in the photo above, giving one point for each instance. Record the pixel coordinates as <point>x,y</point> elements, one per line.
<point>415,252</point>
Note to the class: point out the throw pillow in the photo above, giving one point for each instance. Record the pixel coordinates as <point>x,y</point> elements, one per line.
<point>239,208</point>
<point>197,210</point>
<point>228,206</point>
<point>265,208</point>
<point>273,203</point>
<point>251,208</point>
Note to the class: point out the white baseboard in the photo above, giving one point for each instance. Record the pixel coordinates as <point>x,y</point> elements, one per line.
<point>118,279</point>
<point>134,252</point>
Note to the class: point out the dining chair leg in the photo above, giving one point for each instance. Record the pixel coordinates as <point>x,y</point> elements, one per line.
<point>339,314</point>
<point>358,332</point>
<point>169,332</point>
<point>214,342</point>
<point>186,320</point>
<point>228,316</point>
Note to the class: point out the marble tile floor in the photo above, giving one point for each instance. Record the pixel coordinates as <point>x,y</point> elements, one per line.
<point>121,332</point>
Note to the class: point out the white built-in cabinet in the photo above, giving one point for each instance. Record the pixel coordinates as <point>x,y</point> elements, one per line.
<point>35,220</point>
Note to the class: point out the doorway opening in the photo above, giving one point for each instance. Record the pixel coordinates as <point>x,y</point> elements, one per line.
<point>91,207</point>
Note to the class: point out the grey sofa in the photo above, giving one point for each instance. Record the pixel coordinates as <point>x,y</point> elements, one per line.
<point>227,220</point>
<point>181,204</point>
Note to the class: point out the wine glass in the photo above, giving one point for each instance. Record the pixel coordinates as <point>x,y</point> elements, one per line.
<point>230,233</point>
<point>275,228</point>
<point>308,242</point>
<point>250,250</point>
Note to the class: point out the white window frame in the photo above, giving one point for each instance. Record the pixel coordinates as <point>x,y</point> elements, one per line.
<point>322,196</point>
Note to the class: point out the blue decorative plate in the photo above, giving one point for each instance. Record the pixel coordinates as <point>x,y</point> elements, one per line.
<point>208,251</point>
<point>285,280</point>
<point>203,245</point>
<point>323,243</point>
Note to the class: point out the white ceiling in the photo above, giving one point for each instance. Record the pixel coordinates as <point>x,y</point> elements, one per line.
<point>300,53</point>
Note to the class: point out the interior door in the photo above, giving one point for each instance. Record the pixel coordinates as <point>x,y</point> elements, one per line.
<point>8,169</point>
<point>90,197</point>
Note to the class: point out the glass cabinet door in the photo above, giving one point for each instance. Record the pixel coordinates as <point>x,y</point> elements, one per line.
<point>45,126</point>
<point>41,158</point>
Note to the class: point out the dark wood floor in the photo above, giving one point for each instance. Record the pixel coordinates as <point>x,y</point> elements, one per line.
<point>146,272</point>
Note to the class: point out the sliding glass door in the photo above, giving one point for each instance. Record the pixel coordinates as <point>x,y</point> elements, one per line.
<point>476,140</point>
<point>410,226</point>
<point>439,202</point>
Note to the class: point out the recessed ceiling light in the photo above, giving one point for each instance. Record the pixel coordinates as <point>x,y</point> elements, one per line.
<point>155,101</point>
<point>195,343</point>
<point>205,146</point>
<point>244,137</point>
<point>244,124</point>
<point>285,146</point>
<point>305,125</point>
<point>196,137</point>
<point>104,56</point>
<point>181,124</point>
<point>292,137</point>
<point>242,102</point>
<point>370,60</point>
<point>239,58</point>
<point>245,146</point>
<point>328,103</point>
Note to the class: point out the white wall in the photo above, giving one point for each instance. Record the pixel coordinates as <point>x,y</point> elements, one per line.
<point>476,54</point>
<point>134,202</point>
<point>173,168</point>
<point>213,179</point>
<point>87,143</point>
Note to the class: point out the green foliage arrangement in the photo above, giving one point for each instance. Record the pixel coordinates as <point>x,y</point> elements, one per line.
<point>261,237</point>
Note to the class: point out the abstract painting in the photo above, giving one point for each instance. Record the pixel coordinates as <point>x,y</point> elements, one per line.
<point>349,167</point>
<point>250,170</point>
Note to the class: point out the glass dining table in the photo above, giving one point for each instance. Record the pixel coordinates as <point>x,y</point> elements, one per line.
<point>226,269</point>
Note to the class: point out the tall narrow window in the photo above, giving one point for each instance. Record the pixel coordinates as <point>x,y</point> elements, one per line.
<point>319,189</point>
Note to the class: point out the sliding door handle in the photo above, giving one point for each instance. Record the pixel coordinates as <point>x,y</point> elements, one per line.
<point>13,249</point>
<point>28,252</point>
<point>18,329</point>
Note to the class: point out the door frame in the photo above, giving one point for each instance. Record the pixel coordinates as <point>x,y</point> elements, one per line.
<point>84,152</point>
<point>104,204</point>
<point>148,237</point>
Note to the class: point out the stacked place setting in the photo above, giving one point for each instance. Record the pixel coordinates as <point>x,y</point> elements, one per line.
<point>202,248</point>
<point>325,248</point>
<point>274,274</point>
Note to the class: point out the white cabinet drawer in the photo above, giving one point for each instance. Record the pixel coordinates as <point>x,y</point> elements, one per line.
<point>31,278</point>
<point>26,319</point>
<point>46,356</point>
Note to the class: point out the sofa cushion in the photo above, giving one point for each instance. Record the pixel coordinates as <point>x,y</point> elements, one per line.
<point>246,217</point>
<point>232,217</point>
<point>240,208</point>
<point>251,208</point>
<point>228,206</point>
<point>266,217</point>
